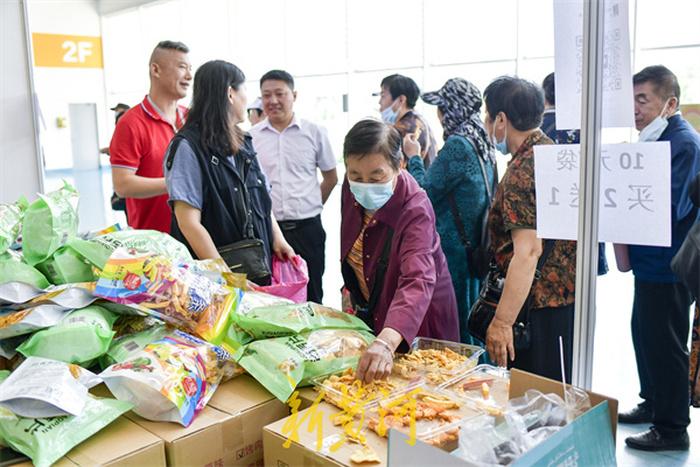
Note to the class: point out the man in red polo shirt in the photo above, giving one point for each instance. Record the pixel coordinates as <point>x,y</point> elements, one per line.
<point>142,137</point>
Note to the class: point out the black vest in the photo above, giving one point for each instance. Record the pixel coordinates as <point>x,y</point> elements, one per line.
<point>223,200</point>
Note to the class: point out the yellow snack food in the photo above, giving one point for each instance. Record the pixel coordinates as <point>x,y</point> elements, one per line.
<point>365,455</point>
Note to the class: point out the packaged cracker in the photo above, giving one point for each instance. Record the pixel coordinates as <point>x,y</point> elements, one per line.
<point>16,323</point>
<point>74,262</point>
<point>49,222</point>
<point>133,339</point>
<point>46,440</point>
<point>171,379</point>
<point>285,320</point>
<point>15,271</point>
<point>11,222</point>
<point>80,337</point>
<point>42,388</point>
<point>174,292</point>
<point>235,336</point>
<point>151,241</point>
<point>282,364</point>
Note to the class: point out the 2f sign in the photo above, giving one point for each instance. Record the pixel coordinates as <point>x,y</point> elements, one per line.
<point>76,52</point>
<point>61,51</point>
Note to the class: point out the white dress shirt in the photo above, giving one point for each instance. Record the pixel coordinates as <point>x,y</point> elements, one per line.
<point>290,160</point>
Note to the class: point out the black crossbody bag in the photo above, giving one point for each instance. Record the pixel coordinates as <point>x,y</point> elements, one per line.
<point>484,309</point>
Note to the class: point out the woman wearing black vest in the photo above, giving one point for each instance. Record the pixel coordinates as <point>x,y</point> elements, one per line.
<point>218,192</point>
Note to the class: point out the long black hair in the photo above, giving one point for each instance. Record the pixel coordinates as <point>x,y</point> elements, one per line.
<point>209,110</point>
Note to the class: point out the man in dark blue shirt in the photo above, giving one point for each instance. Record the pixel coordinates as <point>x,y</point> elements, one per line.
<point>660,315</point>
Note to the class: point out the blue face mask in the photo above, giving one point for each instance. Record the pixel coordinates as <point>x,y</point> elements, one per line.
<point>372,196</point>
<point>389,115</point>
<point>501,146</point>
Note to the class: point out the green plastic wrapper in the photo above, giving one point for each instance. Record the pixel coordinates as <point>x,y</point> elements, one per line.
<point>81,337</point>
<point>286,320</point>
<point>15,271</point>
<point>284,363</point>
<point>150,241</point>
<point>127,345</point>
<point>49,222</point>
<point>10,222</point>
<point>74,262</point>
<point>46,440</point>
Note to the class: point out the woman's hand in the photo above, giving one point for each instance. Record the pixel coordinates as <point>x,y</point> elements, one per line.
<point>499,341</point>
<point>411,146</point>
<point>282,249</point>
<point>378,359</point>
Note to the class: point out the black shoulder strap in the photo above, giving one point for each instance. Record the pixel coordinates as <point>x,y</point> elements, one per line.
<point>174,144</point>
<point>382,265</point>
<point>461,231</point>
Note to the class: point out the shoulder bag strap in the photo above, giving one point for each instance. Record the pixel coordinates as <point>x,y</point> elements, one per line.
<point>382,265</point>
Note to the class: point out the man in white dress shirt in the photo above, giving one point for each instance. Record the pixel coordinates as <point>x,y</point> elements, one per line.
<point>291,150</point>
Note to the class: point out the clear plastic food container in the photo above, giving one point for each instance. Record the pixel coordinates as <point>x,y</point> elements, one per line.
<point>438,416</point>
<point>486,387</point>
<point>451,360</point>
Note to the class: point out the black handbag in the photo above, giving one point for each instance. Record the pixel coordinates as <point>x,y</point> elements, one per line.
<point>478,257</point>
<point>248,256</point>
<point>484,309</point>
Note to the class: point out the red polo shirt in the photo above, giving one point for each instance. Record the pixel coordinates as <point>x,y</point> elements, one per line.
<point>139,143</point>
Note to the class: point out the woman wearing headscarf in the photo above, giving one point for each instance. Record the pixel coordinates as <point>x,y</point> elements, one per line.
<point>459,184</point>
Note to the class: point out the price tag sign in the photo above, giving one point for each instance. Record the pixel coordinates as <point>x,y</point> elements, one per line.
<point>618,104</point>
<point>61,51</point>
<point>635,192</point>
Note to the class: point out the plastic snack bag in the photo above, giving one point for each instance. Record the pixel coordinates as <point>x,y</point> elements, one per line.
<point>128,344</point>
<point>46,440</point>
<point>150,241</point>
<point>10,222</point>
<point>42,388</point>
<point>15,271</point>
<point>49,222</point>
<point>80,337</point>
<point>74,262</point>
<point>15,323</point>
<point>281,364</point>
<point>235,336</point>
<point>175,293</point>
<point>171,379</point>
<point>285,320</point>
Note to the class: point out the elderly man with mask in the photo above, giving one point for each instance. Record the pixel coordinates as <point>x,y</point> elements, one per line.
<point>660,314</point>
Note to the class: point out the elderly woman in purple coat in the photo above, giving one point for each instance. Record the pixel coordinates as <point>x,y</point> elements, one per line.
<point>393,267</point>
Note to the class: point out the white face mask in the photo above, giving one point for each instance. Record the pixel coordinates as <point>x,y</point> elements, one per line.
<point>653,130</point>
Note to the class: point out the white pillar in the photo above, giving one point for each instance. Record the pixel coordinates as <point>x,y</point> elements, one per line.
<point>589,183</point>
<point>21,167</point>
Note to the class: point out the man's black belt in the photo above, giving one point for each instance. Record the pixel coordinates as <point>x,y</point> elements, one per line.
<point>293,225</point>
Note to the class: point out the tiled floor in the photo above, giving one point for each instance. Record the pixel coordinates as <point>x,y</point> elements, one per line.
<point>614,372</point>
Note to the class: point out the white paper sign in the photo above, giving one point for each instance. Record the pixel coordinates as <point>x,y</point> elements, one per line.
<point>618,105</point>
<point>635,192</point>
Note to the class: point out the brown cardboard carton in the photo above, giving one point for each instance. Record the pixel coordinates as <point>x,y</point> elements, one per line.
<point>304,452</point>
<point>122,443</point>
<point>250,407</point>
<point>200,444</point>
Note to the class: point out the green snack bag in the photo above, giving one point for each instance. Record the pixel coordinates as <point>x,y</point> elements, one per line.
<point>150,241</point>
<point>45,440</point>
<point>284,363</point>
<point>15,271</point>
<point>49,222</point>
<point>10,222</point>
<point>285,320</point>
<point>74,262</point>
<point>80,337</point>
<point>127,345</point>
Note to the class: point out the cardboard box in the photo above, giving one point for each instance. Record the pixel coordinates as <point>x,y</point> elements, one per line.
<point>200,444</point>
<point>250,408</point>
<point>122,443</point>
<point>587,440</point>
<point>307,396</point>
<point>304,452</point>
